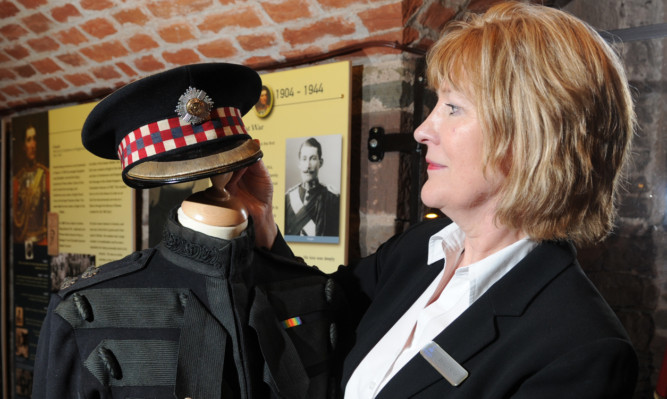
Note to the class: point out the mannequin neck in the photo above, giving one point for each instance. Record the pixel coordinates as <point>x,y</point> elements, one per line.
<point>223,232</point>
<point>214,211</point>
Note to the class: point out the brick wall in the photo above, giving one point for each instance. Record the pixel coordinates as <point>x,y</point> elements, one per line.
<point>55,51</point>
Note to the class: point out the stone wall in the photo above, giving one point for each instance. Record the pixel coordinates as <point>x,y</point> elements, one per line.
<point>630,267</point>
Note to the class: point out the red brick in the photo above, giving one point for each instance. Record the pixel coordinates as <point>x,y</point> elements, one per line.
<point>3,98</point>
<point>37,23</point>
<point>102,91</point>
<point>410,35</point>
<point>337,3</point>
<point>12,91</point>
<point>99,27</point>
<point>245,18</point>
<point>7,9</point>
<point>394,36</point>
<point>15,104</point>
<point>105,51</point>
<point>382,18</point>
<point>12,31</point>
<point>106,72</point>
<point>255,62</point>
<point>330,26</point>
<point>411,7</point>
<point>391,36</point>
<point>177,33</point>
<point>148,63</point>
<point>6,74</point>
<point>171,8</point>
<point>141,41</point>
<point>255,42</point>
<point>436,16</point>
<point>25,71</point>
<point>96,5</point>
<point>31,87</point>
<point>221,48</point>
<point>71,36</point>
<point>300,54</point>
<point>482,5</point>
<point>226,2</point>
<point>181,57</point>
<point>17,52</point>
<point>287,10</point>
<point>63,13</point>
<point>72,59</point>
<point>30,4</point>
<point>55,84</point>
<point>425,43</point>
<point>46,66</point>
<point>3,57</point>
<point>43,44</point>
<point>126,69</point>
<point>131,16</point>
<point>79,79</point>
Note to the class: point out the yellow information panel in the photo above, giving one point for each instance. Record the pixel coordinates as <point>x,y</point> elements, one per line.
<point>303,123</point>
<point>92,210</point>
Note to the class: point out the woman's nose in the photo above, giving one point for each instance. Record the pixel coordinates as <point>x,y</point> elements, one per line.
<point>424,131</point>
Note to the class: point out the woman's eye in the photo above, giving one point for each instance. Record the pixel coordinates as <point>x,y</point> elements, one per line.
<point>453,108</point>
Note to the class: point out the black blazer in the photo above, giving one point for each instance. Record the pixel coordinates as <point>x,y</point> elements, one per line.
<point>542,331</point>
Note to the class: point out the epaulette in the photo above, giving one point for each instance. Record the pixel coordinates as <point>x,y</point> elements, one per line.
<point>93,275</point>
<point>332,189</point>
<point>292,188</point>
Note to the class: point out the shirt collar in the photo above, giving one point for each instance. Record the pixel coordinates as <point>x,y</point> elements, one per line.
<point>482,274</point>
<point>450,238</point>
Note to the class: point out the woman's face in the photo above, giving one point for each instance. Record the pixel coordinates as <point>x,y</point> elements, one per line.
<point>453,136</point>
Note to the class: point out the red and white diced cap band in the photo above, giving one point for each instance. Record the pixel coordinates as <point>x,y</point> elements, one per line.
<point>173,133</point>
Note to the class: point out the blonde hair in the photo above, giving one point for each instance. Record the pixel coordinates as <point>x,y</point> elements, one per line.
<point>556,111</point>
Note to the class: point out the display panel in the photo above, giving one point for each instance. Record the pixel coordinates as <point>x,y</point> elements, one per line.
<point>303,123</point>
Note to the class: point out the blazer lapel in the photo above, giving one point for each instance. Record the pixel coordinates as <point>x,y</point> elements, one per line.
<point>385,312</point>
<point>475,329</point>
<point>468,335</point>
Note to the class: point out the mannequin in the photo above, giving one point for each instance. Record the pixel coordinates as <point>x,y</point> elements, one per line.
<point>214,211</point>
<point>156,322</point>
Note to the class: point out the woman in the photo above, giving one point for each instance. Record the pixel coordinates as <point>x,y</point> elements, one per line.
<point>525,147</point>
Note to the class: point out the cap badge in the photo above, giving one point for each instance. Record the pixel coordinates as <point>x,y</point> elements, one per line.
<point>194,106</point>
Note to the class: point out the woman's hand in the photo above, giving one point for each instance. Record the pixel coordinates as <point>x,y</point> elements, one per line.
<point>253,186</point>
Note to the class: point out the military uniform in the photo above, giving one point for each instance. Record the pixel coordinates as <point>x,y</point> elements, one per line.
<point>195,317</point>
<point>312,213</point>
<point>31,203</point>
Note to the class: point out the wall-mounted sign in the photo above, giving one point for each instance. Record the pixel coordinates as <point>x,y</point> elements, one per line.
<point>303,123</point>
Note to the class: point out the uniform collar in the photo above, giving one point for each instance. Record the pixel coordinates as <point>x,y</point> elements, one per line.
<point>203,253</point>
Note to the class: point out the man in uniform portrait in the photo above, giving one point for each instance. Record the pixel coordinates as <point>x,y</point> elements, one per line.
<point>311,208</point>
<point>30,195</point>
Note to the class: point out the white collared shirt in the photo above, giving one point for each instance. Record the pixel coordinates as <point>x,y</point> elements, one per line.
<point>468,283</point>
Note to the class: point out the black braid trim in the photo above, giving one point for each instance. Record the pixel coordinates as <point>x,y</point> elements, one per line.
<point>188,249</point>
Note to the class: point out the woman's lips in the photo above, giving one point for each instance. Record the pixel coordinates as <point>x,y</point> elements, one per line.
<point>434,166</point>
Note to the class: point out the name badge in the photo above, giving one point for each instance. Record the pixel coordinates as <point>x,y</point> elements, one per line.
<point>453,372</point>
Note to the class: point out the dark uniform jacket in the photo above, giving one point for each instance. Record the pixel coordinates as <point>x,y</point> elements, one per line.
<point>542,331</point>
<point>317,216</point>
<point>195,317</point>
